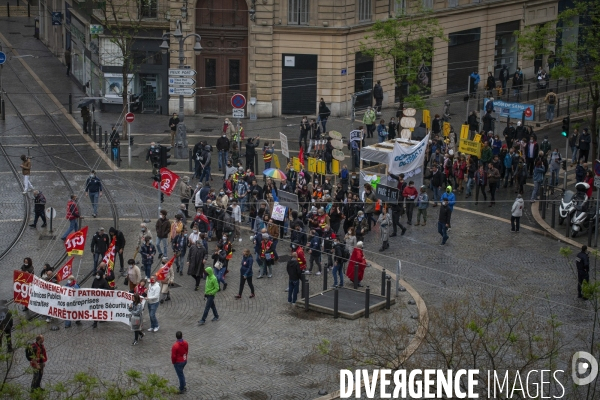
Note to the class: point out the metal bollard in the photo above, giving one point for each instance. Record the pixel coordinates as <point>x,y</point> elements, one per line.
<point>367,299</point>
<point>51,214</point>
<point>190,155</point>
<point>93,126</point>
<point>3,109</point>
<point>255,162</point>
<point>325,279</point>
<point>70,103</point>
<point>388,294</point>
<point>307,295</point>
<point>568,219</point>
<point>8,9</point>
<point>355,276</point>
<point>119,156</point>
<point>553,215</point>
<point>336,294</point>
<point>100,136</point>
<point>302,283</point>
<point>383,282</point>
<point>543,201</point>
<point>105,141</point>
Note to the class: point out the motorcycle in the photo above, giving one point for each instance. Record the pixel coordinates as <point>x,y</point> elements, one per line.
<point>581,220</point>
<point>566,207</point>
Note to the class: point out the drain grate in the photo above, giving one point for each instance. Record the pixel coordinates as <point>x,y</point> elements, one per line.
<point>47,237</point>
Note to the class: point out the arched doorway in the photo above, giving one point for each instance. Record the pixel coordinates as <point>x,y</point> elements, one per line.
<point>223,65</point>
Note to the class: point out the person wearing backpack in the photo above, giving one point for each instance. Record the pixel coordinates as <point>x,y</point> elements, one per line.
<point>37,357</point>
<point>551,100</point>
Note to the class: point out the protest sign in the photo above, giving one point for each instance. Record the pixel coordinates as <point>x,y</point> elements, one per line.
<point>52,300</point>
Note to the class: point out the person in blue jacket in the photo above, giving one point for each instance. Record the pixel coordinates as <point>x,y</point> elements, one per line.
<point>246,274</point>
<point>475,78</point>
<point>449,195</point>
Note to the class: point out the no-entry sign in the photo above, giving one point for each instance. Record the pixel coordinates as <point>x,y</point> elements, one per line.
<point>129,117</point>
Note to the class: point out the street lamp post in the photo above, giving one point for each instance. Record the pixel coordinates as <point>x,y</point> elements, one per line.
<point>181,139</point>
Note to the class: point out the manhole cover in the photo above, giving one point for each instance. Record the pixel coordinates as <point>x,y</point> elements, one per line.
<point>47,237</point>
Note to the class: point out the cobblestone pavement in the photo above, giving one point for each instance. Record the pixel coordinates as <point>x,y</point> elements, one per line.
<point>260,348</point>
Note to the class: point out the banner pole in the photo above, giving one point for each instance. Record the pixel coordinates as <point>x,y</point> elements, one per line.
<point>78,268</point>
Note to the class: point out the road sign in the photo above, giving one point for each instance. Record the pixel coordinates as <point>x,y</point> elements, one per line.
<point>238,113</point>
<point>181,72</point>
<point>238,101</point>
<point>2,57</point>
<point>181,91</point>
<point>129,117</point>
<point>50,213</point>
<point>285,150</point>
<point>181,81</point>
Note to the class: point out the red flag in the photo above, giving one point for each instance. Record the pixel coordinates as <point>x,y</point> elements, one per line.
<point>168,181</point>
<point>64,272</point>
<point>301,155</point>
<point>109,259</point>
<point>21,284</point>
<point>162,273</point>
<point>75,242</point>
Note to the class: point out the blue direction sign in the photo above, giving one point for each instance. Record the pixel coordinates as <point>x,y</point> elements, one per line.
<point>2,57</point>
<point>238,101</point>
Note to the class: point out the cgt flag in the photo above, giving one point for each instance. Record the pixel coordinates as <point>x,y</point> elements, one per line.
<point>64,272</point>
<point>162,273</point>
<point>75,242</point>
<point>168,181</point>
<point>109,259</point>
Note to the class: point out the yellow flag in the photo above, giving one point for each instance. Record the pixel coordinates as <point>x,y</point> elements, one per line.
<point>276,161</point>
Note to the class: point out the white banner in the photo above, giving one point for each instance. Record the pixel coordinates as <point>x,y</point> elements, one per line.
<point>62,302</point>
<point>408,160</point>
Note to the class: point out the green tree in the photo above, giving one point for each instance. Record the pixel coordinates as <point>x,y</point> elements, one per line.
<point>405,43</point>
<point>572,42</point>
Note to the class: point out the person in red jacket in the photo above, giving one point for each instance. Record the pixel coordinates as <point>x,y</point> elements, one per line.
<point>410,194</point>
<point>357,260</point>
<point>38,361</point>
<point>179,355</point>
<point>300,256</point>
<point>72,216</point>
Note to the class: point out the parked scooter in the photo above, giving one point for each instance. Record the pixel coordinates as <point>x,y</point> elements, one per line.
<point>566,208</point>
<point>581,220</point>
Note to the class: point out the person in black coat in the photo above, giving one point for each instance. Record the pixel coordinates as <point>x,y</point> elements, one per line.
<point>251,146</point>
<point>583,270</point>
<point>473,122</point>
<point>294,276</point>
<point>119,245</point>
<point>99,246</point>
<point>444,221</point>
<point>436,178</point>
<point>100,282</point>
<point>324,113</point>
<point>378,96</point>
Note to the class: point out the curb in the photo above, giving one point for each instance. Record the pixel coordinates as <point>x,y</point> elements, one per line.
<point>535,212</point>
<point>419,335</point>
<point>60,107</point>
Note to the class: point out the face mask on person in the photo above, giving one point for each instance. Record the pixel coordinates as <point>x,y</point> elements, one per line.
<point>97,276</point>
<point>162,216</point>
<point>151,147</point>
<point>69,282</point>
<point>92,175</point>
<point>224,238</point>
<point>531,141</point>
<point>131,266</point>
<point>143,229</point>
<point>224,135</point>
<point>221,193</point>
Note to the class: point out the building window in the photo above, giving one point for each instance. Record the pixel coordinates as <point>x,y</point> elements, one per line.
<point>210,72</point>
<point>234,74</point>
<point>298,12</point>
<point>400,7</point>
<point>452,3</point>
<point>148,8</point>
<point>364,10</point>
<point>428,4</point>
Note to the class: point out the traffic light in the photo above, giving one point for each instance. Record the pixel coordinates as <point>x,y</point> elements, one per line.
<point>564,165</point>
<point>131,140</point>
<point>162,197</point>
<point>164,156</point>
<point>565,126</point>
<point>155,158</point>
<point>156,177</point>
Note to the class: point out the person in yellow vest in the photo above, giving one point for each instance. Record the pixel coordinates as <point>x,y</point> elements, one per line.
<point>268,154</point>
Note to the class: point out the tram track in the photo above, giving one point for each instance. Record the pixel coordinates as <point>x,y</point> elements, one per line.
<point>27,211</point>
